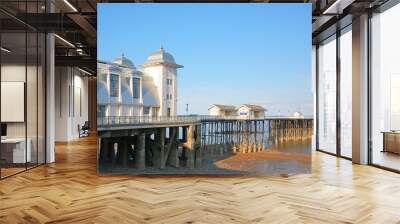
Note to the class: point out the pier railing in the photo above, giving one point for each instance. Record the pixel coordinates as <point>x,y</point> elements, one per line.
<point>132,120</point>
<point>141,120</point>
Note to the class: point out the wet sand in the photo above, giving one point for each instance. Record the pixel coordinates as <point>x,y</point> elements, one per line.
<point>267,163</point>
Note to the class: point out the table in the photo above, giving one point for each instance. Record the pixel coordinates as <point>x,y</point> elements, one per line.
<point>13,150</point>
<point>391,141</point>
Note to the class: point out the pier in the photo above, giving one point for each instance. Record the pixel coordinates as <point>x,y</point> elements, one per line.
<point>184,141</point>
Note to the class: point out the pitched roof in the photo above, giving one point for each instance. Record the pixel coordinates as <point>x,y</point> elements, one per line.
<point>224,107</point>
<point>254,107</point>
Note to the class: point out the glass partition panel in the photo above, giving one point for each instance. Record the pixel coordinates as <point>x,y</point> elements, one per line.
<point>327,95</point>
<point>31,98</point>
<point>22,79</point>
<point>346,92</point>
<point>14,153</point>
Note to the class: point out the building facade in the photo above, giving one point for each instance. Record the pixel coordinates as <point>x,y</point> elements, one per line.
<point>298,114</point>
<point>245,111</point>
<point>250,111</point>
<point>124,90</point>
<point>222,110</point>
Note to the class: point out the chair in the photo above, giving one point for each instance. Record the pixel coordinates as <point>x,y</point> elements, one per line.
<point>84,130</point>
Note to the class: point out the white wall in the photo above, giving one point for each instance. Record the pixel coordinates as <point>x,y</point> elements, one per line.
<point>79,117</point>
<point>62,81</point>
<point>156,72</point>
<point>12,73</point>
<point>172,103</point>
<point>258,114</point>
<point>160,74</point>
<point>214,111</point>
<point>71,103</point>
<point>244,112</point>
<point>33,126</point>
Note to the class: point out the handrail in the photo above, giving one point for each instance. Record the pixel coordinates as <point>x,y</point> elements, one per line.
<point>138,120</point>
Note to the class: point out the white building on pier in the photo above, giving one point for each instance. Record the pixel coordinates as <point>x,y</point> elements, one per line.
<point>245,111</point>
<point>250,111</point>
<point>222,110</point>
<point>124,90</point>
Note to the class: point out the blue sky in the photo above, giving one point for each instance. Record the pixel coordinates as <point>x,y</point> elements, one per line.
<point>232,53</point>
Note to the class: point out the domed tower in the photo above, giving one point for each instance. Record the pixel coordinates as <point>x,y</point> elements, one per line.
<point>161,66</point>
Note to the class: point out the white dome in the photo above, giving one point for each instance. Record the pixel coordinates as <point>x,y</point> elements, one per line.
<point>122,60</point>
<point>161,56</point>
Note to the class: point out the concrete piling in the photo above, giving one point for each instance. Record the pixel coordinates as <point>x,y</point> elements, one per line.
<point>140,152</point>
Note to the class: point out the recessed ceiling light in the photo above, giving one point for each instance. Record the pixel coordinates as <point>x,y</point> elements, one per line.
<point>64,40</point>
<point>337,7</point>
<point>84,71</point>
<point>5,50</point>
<point>70,5</point>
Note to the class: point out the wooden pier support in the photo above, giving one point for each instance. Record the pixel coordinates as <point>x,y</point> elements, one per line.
<point>158,149</point>
<point>197,147</point>
<point>172,158</point>
<point>124,151</point>
<point>189,147</point>
<point>140,162</point>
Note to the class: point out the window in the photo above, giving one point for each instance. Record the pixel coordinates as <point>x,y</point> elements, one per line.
<point>385,89</point>
<point>101,110</point>
<point>154,111</point>
<point>146,110</point>
<point>169,82</point>
<point>136,88</point>
<point>114,85</point>
<point>327,95</point>
<point>102,77</point>
<point>346,93</point>
<point>126,90</point>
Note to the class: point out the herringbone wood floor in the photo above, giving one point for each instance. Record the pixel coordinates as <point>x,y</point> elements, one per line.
<point>70,191</point>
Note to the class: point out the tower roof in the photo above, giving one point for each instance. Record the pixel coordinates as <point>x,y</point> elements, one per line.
<point>161,57</point>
